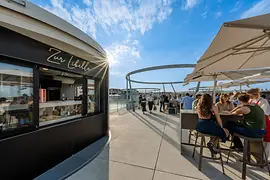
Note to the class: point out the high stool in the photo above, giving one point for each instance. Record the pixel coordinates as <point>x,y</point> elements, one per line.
<point>189,136</point>
<point>246,154</point>
<point>201,156</point>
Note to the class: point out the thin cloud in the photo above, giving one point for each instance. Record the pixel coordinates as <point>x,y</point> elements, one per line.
<point>87,2</point>
<point>117,73</point>
<point>218,14</point>
<point>238,5</point>
<point>204,14</point>
<point>262,7</point>
<point>189,4</point>
<point>123,52</point>
<point>112,16</point>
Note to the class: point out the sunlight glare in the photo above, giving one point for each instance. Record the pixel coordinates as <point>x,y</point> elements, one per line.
<point>111,60</point>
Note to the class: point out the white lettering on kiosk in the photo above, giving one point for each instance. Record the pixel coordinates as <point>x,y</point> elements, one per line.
<point>55,58</point>
<point>83,65</point>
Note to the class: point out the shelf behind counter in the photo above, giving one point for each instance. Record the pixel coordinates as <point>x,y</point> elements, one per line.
<point>59,103</point>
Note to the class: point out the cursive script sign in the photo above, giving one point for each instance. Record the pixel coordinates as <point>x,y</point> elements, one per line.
<point>71,62</point>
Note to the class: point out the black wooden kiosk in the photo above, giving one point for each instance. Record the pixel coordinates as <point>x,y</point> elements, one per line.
<point>53,102</point>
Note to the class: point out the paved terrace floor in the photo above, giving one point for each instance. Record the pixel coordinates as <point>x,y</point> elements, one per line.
<point>146,147</point>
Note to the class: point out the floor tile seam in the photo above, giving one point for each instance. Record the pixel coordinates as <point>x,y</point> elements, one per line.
<point>159,147</point>
<point>130,164</point>
<point>119,134</point>
<point>172,173</point>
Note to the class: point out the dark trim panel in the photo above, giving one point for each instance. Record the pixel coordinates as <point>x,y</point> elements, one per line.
<point>29,155</point>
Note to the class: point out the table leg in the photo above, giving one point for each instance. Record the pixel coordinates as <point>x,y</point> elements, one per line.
<point>201,153</point>
<point>248,152</point>
<point>244,166</point>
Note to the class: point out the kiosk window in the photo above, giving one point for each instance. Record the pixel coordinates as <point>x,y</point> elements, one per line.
<point>60,96</point>
<point>16,97</point>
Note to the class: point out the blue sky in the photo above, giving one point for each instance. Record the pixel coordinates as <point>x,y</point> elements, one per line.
<point>142,33</point>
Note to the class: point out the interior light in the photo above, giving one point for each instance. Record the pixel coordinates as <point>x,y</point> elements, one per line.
<point>45,69</point>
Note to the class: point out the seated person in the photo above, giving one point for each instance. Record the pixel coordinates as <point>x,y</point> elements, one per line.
<point>235,99</point>
<point>224,103</point>
<point>195,103</point>
<point>187,102</point>
<point>253,124</point>
<point>208,124</point>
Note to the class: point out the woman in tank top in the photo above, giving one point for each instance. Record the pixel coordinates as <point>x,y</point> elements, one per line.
<point>210,121</point>
<point>253,124</point>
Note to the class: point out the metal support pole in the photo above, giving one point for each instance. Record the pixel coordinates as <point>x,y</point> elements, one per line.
<point>173,88</point>
<point>214,89</point>
<point>164,88</point>
<point>240,87</point>
<point>127,88</point>
<point>198,87</point>
<point>131,97</point>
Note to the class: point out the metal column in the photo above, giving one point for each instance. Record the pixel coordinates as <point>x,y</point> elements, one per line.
<point>173,88</point>
<point>198,87</point>
<point>214,89</point>
<point>131,97</point>
<point>164,88</point>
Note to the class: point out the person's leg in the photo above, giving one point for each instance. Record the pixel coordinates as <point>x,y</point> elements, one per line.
<point>211,128</point>
<point>150,105</point>
<point>233,127</point>
<point>161,106</point>
<point>267,149</point>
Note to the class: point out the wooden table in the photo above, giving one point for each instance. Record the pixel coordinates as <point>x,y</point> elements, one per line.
<point>189,120</point>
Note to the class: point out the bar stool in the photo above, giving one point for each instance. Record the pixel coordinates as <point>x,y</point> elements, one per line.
<point>201,156</point>
<point>246,154</point>
<point>189,136</point>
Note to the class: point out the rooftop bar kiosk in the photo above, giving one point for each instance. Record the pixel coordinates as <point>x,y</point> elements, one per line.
<point>53,90</point>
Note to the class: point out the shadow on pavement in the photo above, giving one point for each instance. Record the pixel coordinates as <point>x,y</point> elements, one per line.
<point>212,169</point>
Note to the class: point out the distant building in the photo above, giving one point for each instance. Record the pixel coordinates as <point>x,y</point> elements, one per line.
<point>114,91</point>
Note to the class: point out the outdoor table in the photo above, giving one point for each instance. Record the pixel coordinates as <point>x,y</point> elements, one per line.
<point>189,120</point>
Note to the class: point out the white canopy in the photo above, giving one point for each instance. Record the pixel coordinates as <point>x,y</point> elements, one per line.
<point>263,75</point>
<point>243,82</point>
<point>241,44</point>
<point>226,75</point>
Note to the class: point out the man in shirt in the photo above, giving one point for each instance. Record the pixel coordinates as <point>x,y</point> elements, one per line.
<point>217,98</point>
<point>187,102</point>
<point>161,100</point>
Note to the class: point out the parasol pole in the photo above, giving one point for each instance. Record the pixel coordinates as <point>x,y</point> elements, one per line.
<point>214,89</point>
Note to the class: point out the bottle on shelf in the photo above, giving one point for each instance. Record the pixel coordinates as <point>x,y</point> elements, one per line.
<point>63,97</point>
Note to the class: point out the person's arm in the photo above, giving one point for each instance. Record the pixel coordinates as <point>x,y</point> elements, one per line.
<point>217,106</point>
<point>235,109</point>
<point>241,110</point>
<point>264,104</point>
<point>215,110</point>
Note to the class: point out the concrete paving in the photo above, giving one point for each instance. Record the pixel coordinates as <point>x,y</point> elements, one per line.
<point>147,147</point>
